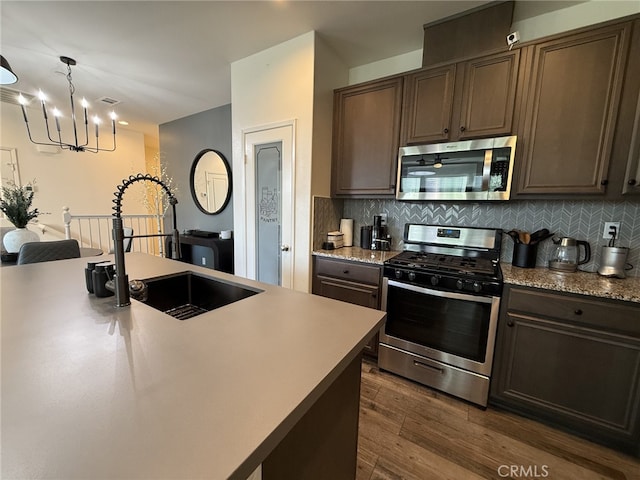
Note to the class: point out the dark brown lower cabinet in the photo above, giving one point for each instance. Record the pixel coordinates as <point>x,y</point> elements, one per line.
<point>572,362</point>
<point>350,282</point>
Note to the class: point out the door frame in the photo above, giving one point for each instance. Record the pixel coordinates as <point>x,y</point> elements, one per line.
<point>284,132</point>
<point>15,167</point>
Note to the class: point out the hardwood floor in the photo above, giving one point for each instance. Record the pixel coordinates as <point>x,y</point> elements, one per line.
<point>408,431</point>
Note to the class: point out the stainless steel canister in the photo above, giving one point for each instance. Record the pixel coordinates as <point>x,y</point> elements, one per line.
<point>613,262</point>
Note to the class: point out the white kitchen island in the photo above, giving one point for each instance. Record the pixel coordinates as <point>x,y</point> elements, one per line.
<point>94,391</point>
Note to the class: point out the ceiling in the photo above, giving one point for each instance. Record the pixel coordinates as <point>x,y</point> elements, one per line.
<point>165,60</point>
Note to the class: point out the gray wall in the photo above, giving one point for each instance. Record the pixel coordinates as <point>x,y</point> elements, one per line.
<point>583,220</point>
<point>180,141</point>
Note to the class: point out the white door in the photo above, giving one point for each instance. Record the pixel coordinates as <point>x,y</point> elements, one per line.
<point>9,169</point>
<point>269,191</point>
<point>217,185</point>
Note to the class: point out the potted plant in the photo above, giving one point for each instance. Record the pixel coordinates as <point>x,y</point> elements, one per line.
<point>16,205</point>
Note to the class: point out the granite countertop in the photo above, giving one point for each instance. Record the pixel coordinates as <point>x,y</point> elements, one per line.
<point>94,391</point>
<point>584,283</point>
<point>358,254</point>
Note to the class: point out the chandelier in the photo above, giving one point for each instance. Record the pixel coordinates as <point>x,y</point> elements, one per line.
<point>55,136</point>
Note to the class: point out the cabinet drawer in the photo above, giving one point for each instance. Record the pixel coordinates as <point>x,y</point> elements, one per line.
<point>348,271</point>
<point>587,311</point>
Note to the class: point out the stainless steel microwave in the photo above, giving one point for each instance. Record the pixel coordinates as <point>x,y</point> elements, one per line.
<point>467,170</point>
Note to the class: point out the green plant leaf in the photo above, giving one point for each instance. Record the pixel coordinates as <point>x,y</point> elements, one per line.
<point>16,204</point>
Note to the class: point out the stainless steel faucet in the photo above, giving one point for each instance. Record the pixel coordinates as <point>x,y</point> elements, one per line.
<point>121,285</point>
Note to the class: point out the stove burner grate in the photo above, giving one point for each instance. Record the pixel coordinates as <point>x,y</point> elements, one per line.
<point>445,263</point>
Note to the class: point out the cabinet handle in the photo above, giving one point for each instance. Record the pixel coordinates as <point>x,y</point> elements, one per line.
<point>510,323</point>
<point>632,181</point>
<point>462,128</point>
<point>578,311</point>
<point>446,130</point>
<point>604,182</point>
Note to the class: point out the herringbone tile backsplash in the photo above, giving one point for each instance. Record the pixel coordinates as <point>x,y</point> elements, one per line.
<point>583,220</point>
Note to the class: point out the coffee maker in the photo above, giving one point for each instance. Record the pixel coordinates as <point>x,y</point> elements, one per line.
<point>376,236</point>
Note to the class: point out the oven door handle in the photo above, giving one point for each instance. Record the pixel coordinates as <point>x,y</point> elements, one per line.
<point>440,293</point>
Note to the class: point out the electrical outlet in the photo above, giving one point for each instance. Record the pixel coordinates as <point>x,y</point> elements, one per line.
<point>204,260</point>
<point>606,233</point>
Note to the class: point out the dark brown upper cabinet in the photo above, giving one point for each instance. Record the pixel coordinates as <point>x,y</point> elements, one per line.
<point>570,112</point>
<point>632,175</point>
<point>366,134</point>
<point>626,151</point>
<point>470,99</point>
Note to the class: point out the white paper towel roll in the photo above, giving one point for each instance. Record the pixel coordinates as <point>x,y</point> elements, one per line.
<point>346,227</point>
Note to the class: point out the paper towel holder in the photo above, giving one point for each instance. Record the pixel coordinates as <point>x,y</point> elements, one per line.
<point>346,227</point>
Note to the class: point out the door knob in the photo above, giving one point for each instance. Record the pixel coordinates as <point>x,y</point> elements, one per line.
<point>284,248</point>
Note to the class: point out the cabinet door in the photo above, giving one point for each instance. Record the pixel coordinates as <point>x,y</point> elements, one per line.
<point>632,176</point>
<point>366,137</point>
<point>571,107</point>
<point>351,292</point>
<point>427,104</point>
<point>580,378</point>
<point>488,96</point>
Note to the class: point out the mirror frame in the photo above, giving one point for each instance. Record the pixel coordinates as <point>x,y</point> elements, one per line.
<point>192,184</point>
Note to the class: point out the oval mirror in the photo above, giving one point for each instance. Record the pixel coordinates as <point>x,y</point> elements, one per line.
<point>210,181</point>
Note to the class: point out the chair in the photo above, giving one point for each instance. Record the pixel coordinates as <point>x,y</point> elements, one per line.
<point>34,252</point>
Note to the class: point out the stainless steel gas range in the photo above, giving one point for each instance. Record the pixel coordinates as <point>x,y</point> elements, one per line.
<point>442,297</point>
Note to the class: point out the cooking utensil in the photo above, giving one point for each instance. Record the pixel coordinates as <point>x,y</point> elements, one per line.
<point>514,235</point>
<point>539,235</point>
<point>525,237</point>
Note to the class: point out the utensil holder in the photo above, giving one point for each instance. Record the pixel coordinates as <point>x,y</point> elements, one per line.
<point>524,255</point>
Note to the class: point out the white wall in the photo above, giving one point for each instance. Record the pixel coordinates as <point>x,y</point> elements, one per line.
<point>83,181</point>
<point>330,73</point>
<point>273,86</point>
<point>292,81</point>
<point>388,66</point>
<point>532,22</point>
<point>532,19</point>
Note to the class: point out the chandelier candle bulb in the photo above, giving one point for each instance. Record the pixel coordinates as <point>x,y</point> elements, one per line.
<point>44,107</point>
<point>84,107</point>
<point>77,145</point>
<point>22,101</point>
<point>56,115</point>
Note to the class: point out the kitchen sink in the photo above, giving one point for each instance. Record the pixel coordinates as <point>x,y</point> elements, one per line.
<point>188,294</point>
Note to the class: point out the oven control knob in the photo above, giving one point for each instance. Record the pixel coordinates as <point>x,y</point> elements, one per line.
<point>412,276</point>
<point>459,284</point>
<point>398,273</point>
<point>477,287</point>
<point>435,280</point>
